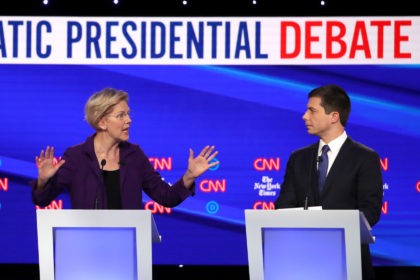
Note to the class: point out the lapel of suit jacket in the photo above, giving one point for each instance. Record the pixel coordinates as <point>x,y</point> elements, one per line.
<point>126,149</point>
<point>89,150</point>
<point>123,163</point>
<point>335,171</point>
<point>313,171</point>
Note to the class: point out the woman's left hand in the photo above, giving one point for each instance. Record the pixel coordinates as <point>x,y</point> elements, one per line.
<point>200,164</point>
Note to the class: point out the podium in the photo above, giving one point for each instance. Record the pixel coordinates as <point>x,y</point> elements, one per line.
<point>95,244</point>
<point>297,244</point>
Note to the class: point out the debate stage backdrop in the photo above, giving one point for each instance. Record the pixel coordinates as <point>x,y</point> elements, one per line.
<point>251,113</point>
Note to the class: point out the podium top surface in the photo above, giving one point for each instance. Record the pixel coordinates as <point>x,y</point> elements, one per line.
<point>299,218</point>
<point>48,218</point>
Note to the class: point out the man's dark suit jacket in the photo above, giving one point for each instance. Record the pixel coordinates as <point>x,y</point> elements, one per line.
<point>353,182</point>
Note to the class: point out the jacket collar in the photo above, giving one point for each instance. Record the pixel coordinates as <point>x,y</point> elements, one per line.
<point>89,149</point>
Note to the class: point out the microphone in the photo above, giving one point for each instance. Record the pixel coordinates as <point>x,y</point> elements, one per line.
<point>305,207</point>
<point>319,159</point>
<point>103,162</point>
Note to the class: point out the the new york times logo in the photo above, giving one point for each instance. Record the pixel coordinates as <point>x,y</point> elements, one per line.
<point>267,187</point>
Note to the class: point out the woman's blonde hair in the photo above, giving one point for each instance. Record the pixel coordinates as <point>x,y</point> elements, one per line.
<point>102,103</point>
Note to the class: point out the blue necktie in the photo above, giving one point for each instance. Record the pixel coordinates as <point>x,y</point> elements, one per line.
<point>322,167</point>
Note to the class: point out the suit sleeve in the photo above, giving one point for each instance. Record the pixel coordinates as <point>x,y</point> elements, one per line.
<point>55,185</point>
<point>158,189</point>
<point>287,197</point>
<point>369,188</point>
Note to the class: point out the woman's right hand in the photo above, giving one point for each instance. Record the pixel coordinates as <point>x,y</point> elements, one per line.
<point>46,166</point>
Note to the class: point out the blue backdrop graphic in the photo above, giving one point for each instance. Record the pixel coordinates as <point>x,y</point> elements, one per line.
<point>247,112</point>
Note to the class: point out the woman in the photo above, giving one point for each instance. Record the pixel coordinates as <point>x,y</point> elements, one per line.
<point>107,171</point>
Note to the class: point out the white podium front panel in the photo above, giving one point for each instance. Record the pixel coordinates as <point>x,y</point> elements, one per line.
<point>95,244</point>
<point>285,243</point>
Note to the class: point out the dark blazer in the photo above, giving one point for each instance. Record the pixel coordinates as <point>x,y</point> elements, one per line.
<point>81,177</point>
<point>353,182</point>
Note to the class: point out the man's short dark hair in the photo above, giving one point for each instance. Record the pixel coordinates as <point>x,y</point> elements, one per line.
<point>333,99</point>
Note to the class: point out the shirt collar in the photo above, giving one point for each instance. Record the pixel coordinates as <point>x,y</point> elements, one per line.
<point>335,144</point>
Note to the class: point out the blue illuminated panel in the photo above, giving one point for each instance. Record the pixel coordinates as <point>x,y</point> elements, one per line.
<point>95,253</point>
<point>304,253</point>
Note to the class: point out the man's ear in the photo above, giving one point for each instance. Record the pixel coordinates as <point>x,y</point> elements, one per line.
<point>335,117</point>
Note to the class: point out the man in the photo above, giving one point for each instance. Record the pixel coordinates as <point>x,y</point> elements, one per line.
<point>353,178</point>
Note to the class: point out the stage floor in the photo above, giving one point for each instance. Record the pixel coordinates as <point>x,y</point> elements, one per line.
<point>164,272</point>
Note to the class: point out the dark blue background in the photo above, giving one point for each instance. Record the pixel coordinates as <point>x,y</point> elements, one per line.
<point>246,111</point>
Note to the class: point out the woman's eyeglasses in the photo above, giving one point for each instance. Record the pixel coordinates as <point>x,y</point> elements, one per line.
<point>121,116</point>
